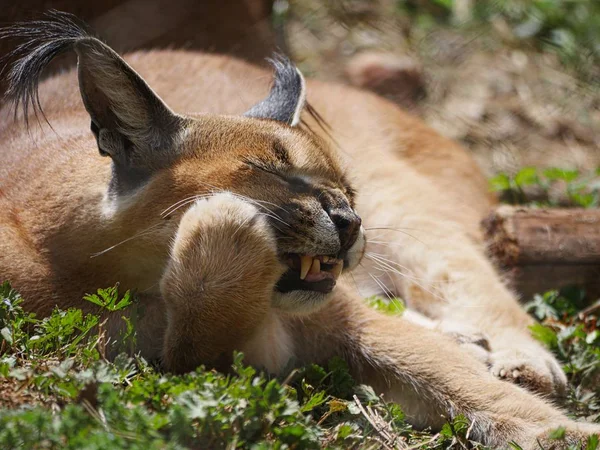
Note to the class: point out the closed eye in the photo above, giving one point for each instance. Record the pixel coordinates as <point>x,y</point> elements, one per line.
<point>269,168</point>
<point>265,167</point>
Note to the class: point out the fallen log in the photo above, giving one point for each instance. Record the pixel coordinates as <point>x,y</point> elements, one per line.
<point>542,249</point>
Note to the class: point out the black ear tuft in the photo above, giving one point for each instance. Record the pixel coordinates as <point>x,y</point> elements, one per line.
<point>131,123</point>
<point>45,39</point>
<point>287,96</point>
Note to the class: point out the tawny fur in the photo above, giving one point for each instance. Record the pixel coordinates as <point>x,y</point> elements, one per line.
<point>205,271</point>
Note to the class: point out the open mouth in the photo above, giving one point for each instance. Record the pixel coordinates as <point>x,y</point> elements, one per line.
<point>310,273</point>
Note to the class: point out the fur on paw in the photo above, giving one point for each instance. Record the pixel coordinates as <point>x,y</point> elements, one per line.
<point>225,212</point>
<point>469,338</point>
<point>224,241</point>
<point>477,344</point>
<point>535,370</point>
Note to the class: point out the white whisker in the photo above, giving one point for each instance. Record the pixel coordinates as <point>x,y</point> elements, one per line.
<point>389,263</point>
<point>382,264</point>
<point>399,230</point>
<point>165,212</point>
<point>382,286</point>
<point>137,235</point>
<point>180,204</point>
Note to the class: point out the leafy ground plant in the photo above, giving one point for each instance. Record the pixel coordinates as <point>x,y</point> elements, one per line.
<point>572,331</point>
<point>58,391</point>
<point>549,187</point>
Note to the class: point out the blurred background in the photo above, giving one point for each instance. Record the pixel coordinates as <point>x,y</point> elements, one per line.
<point>515,81</point>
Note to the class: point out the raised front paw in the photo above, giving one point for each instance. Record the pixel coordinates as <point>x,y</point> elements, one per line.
<point>218,284</point>
<point>533,368</point>
<point>223,246</point>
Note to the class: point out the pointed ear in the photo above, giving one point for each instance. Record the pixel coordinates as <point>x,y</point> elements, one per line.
<point>287,97</point>
<point>131,123</point>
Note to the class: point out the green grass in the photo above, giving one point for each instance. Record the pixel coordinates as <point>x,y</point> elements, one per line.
<point>58,391</point>
<point>572,332</point>
<point>568,28</point>
<point>549,188</point>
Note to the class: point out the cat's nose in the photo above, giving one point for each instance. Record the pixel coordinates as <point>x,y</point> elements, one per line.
<point>348,224</point>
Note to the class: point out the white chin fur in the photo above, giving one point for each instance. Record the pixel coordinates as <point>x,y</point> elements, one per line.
<point>306,302</point>
<point>299,302</point>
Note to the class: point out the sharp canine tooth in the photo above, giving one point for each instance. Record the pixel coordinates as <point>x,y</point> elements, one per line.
<point>337,269</point>
<point>316,266</point>
<point>305,264</point>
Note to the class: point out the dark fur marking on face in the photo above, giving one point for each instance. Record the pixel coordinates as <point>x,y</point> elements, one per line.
<point>294,212</point>
<point>333,199</point>
<point>281,153</point>
<point>300,186</point>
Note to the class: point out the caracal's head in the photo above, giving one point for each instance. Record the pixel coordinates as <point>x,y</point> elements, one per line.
<point>163,160</point>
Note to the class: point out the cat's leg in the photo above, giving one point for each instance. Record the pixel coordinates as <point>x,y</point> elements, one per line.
<point>432,259</point>
<point>218,284</point>
<point>471,340</point>
<point>432,378</point>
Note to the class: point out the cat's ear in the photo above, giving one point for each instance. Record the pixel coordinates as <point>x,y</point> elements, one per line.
<point>287,96</point>
<point>131,123</point>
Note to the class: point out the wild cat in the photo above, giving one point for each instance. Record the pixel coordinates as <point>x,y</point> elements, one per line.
<point>241,229</point>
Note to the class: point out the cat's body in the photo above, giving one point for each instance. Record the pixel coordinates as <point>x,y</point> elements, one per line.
<point>203,215</point>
